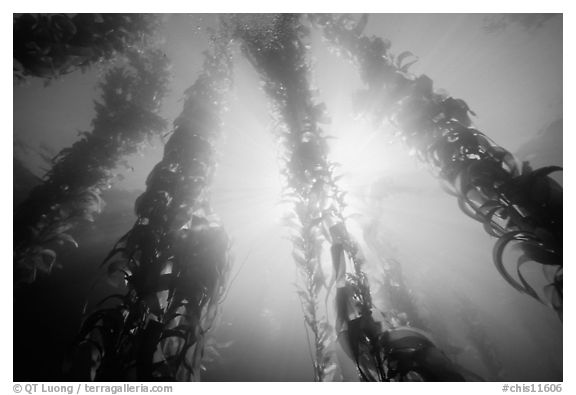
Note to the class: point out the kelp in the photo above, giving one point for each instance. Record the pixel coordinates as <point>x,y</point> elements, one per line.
<point>278,53</point>
<point>382,351</point>
<point>514,203</point>
<point>51,45</point>
<point>173,265</point>
<point>127,115</point>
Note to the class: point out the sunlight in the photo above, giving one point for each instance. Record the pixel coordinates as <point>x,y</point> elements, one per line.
<point>248,186</point>
<point>365,155</point>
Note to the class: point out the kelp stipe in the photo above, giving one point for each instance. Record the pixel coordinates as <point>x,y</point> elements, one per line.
<point>278,54</point>
<point>174,262</point>
<point>519,206</point>
<point>49,46</point>
<point>127,115</point>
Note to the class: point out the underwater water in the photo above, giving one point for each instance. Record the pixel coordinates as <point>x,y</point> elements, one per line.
<point>511,77</point>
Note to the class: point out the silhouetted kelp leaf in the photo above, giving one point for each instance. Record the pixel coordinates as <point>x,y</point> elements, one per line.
<point>498,256</point>
<point>537,251</point>
<point>525,285</point>
<point>469,209</point>
<point>534,251</point>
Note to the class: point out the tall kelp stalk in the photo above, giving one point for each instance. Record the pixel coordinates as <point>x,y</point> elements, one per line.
<point>51,45</point>
<point>522,207</point>
<point>278,53</point>
<point>173,264</point>
<point>126,116</point>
